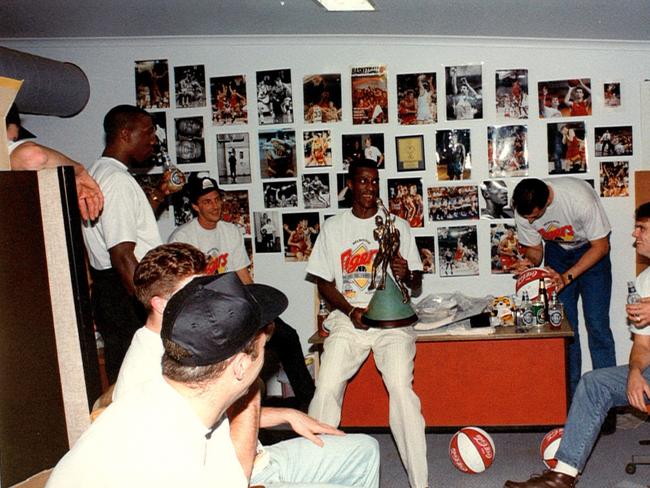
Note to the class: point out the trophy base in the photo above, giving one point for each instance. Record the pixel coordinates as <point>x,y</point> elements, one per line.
<point>390,324</point>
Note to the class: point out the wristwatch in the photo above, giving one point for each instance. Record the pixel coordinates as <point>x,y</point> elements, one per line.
<point>569,277</point>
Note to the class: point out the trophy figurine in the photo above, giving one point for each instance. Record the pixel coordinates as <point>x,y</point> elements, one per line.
<point>390,305</point>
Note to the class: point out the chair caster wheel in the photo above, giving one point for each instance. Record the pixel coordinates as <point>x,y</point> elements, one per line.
<point>630,468</point>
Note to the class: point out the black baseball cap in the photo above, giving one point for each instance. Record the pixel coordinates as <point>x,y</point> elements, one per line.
<point>13,117</point>
<point>213,317</point>
<point>199,186</point>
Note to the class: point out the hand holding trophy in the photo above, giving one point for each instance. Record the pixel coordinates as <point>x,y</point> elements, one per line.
<point>390,305</point>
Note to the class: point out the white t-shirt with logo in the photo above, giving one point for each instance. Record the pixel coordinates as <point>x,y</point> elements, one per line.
<point>345,250</point>
<point>574,217</point>
<point>224,245</point>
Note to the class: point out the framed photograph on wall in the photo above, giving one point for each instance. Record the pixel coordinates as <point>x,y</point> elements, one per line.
<point>410,153</point>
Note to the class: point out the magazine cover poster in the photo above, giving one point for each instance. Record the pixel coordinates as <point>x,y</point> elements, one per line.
<point>458,251</point>
<point>190,145</point>
<point>299,231</point>
<point>505,251</point>
<point>317,146</point>
<point>564,98</point>
<point>233,158</point>
<point>427,248</point>
<point>453,155</point>
<point>369,95</point>
<point>274,97</point>
<point>277,154</point>
<point>343,191</point>
<point>507,150</point>
<point>464,85</point>
<point>363,146</point>
<point>567,148</point>
<point>614,179</point>
<point>161,149</point>
<point>511,89</point>
<point>322,98</point>
<point>316,190</point>
<point>236,209</point>
<point>152,84</point>
<point>406,201</point>
<point>612,95</point>
<point>495,200</point>
<point>190,86</point>
<point>453,202</point>
<point>229,102</point>
<point>267,231</point>
<point>613,141</point>
<point>280,194</point>
<point>417,99</point>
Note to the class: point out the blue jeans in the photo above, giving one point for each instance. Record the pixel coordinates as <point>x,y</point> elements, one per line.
<point>595,288</point>
<point>597,392</point>
<point>351,461</point>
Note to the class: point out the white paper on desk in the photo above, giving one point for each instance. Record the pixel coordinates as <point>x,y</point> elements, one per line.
<point>458,328</point>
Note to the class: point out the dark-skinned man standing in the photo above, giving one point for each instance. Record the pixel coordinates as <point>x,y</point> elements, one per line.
<point>125,230</point>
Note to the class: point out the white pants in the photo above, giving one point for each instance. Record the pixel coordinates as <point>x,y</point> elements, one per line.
<point>344,352</point>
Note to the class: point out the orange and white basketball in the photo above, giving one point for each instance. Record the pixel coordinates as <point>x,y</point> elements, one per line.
<point>471,450</point>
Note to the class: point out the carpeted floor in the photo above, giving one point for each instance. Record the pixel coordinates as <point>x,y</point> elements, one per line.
<point>517,456</point>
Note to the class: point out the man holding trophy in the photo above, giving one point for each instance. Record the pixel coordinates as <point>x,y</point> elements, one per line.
<point>349,248</point>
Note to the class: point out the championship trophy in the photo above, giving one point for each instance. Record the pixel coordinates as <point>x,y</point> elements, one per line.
<point>390,305</point>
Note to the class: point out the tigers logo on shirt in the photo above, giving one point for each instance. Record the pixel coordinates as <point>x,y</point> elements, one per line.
<point>552,232</point>
<point>357,267</point>
<point>217,263</point>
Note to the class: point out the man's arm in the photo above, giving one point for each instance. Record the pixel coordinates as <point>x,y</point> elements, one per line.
<point>301,423</point>
<point>637,385</point>
<point>244,276</point>
<point>124,261</point>
<point>567,97</point>
<point>598,250</point>
<point>33,157</point>
<point>328,291</point>
<point>534,254</point>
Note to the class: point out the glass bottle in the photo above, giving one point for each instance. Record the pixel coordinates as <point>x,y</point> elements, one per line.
<point>555,312</point>
<point>527,314</point>
<point>542,298</point>
<point>323,312</point>
<point>176,178</point>
<point>632,295</point>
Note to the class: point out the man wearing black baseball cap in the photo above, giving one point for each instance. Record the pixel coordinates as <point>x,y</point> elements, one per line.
<point>25,154</point>
<point>223,243</point>
<point>175,430</point>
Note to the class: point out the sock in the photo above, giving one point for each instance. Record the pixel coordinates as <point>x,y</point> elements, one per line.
<point>565,468</point>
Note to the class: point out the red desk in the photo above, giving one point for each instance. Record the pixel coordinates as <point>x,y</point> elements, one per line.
<point>501,379</point>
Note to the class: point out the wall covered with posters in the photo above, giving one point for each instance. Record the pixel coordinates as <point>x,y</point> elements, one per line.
<point>453,124</point>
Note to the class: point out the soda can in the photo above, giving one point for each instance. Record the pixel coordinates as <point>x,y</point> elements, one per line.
<point>538,312</point>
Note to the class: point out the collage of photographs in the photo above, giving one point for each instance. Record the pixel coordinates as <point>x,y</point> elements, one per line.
<point>299,166</point>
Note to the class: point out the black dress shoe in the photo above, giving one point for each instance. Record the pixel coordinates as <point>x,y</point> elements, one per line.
<point>548,479</point>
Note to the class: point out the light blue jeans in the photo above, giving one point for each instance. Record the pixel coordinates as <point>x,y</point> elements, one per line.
<point>597,392</point>
<point>351,460</point>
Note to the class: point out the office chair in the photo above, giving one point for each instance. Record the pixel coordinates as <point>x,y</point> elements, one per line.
<point>638,460</point>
